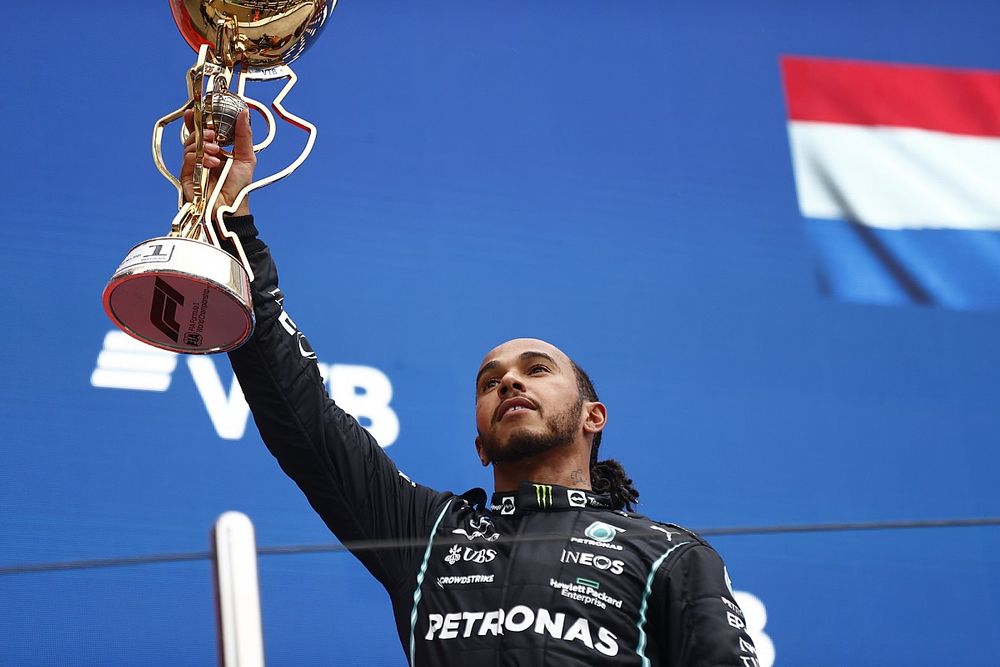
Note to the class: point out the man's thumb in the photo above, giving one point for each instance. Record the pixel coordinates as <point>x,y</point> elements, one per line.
<point>243,141</point>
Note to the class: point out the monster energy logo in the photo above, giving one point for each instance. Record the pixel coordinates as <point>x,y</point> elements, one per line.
<point>543,495</point>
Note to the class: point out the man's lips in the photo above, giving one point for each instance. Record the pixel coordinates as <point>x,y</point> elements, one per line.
<point>514,405</point>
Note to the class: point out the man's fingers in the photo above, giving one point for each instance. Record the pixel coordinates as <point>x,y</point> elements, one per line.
<point>212,156</point>
<point>210,159</point>
<point>208,140</point>
<point>211,152</point>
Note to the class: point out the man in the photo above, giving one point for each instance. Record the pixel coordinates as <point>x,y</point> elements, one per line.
<point>556,569</point>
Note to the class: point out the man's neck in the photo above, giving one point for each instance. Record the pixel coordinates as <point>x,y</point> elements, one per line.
<point>555,466</point>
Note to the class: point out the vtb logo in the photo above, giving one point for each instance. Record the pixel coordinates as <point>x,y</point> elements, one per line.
<point>543,495</point>
<point>125,363</point>
<point>163,312</point>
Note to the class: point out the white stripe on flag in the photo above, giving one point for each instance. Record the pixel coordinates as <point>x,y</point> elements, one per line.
<point>896,178</point>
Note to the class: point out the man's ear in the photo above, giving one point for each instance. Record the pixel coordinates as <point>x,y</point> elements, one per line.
<point>483,458</point>
<point>595,417</point>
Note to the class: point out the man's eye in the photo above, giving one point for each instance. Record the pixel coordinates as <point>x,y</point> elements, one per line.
<point>489,384</point>
<point>538,368</point>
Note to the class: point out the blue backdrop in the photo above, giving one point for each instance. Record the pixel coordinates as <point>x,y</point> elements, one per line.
<point>613,177</point>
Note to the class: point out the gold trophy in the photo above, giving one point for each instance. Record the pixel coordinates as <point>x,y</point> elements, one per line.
<point>183,292</point>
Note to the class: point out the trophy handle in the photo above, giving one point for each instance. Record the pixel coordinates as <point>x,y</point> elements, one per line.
<point>195,78</point>
<point>158,148</point>
<point>216,215</point>
<point>278,72</point>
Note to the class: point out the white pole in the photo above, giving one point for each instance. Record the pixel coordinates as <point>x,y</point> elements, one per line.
<point>237,594</point>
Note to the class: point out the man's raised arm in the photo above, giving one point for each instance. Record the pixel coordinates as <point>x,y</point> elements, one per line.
<point>343,472</point>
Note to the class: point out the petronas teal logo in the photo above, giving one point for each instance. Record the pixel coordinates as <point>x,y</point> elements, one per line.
<point>602,532</point>
<point>543,495</point>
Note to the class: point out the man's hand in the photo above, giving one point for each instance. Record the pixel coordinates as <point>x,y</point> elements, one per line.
<point>240,174</point>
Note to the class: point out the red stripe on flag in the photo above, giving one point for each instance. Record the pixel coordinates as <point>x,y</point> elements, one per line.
<point>959,101</point>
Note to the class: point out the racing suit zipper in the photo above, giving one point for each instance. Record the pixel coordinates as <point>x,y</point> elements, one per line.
<point>511,556</point>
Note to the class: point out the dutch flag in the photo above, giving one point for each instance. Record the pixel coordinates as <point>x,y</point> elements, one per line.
<point>897,170</point>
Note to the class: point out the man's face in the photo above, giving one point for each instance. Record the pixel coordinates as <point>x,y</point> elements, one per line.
<point>527,401</point>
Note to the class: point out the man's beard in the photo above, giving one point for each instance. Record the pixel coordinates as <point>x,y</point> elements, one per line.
<point>522,444</point>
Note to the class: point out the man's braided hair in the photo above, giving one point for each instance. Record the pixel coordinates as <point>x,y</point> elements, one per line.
<point>607,476</point>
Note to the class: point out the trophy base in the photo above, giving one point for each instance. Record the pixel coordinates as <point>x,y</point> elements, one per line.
<point>181,295</point>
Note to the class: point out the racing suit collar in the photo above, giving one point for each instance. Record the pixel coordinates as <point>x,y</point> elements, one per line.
<point>532,497</point>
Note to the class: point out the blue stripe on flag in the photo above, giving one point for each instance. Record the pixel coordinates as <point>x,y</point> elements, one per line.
<point>935,267</point>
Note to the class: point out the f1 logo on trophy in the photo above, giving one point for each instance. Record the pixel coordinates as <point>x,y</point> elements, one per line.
<point>183,292</point>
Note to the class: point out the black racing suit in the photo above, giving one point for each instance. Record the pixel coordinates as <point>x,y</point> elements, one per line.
<point>545,575</point>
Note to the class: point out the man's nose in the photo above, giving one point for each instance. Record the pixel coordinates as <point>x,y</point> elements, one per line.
<point>510,383</point>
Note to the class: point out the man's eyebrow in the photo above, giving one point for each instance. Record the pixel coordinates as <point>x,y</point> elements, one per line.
<point>530,354</point>
<point>486,367</point>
